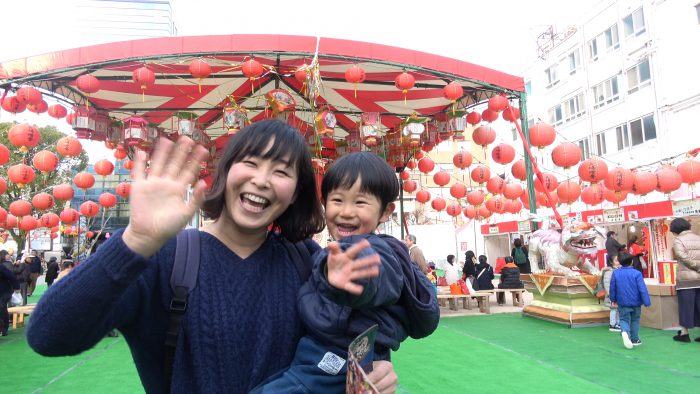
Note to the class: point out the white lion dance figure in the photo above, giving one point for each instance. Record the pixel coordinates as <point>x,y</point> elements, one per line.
<point>573,247</point>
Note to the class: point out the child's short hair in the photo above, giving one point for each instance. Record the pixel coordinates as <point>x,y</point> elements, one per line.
<point>625,259</point>
<point>376,177</point>
<point>68,263</point>
<point>508,259</point>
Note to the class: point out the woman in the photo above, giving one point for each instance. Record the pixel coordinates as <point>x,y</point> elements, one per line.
<point>686,248</point>
<point>241,324</point>
<point>484,274</point>
<point>451,270</point>
<point>636,251</point>
<point>469,269</point>
<point>8,284</point>
<point>519,253</point>
<point>21,271</point>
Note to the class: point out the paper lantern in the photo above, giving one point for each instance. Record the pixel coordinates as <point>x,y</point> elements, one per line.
<point>475,197</point>
<point>619,179</point>
<point>503,154</point>
<point>480,174</point>
<point>108,200</point>
<point>495,185</point>
<point>4,155</point>
<point>104,167</point>
<point>10,222</point>
<point>614,196</point>
<point>668,179</point>
<point>57,111</point>
<point>89,209</point>
<point>458,190</point>
<point>28,95</point>
<point>84,180</point>
<point>453,91</point>
<point>49,220</point>
<point>355,74</point>
<point>20,208</point>
<point>301,73</point>
<point>441,178</point>
<point>438,204</point>
<point>404,82</point>
<point>498,103</point>
<point>426,165</point>
<point>568,191</point>
<point>513,206</point>
<point>488,115</point>
<point>483,135</point>
<point>24,136</point>
<point>470,212</point>
<point>690,171</point>
<point>38,108</point>
<point>473,118</point>
<point>87,84</point>
<point>123,189</point>
<point>69,146</point>
<point>518,170</point>
<point>143,77</point>
<point>483,212</point>
<point>644,182</point>
<point>63,192</point>
<point>12,105</point>
<point>120,154</point>
<point>3,185</point>
<point>525,199</point>
<point>507,116</point>
<point>453,209</point>
<point>252,69</point>
<point>423,196</point>
<point>593,194</point>
<point>410,186</point>
<point>21,174</point>
<point>53,235</point>
<point>404,175</point>
<point>45,161</point>
<point>512,190</point>
<point>566,154</point>
<point>200,70</point>
<point>69,216</point>
<point>412,164</point>
<point>462,159</point>
<point>592,170</point>
<point>550,182</point>
<point>28,223</point>
<point>42,201</point>
<point>541,135</point>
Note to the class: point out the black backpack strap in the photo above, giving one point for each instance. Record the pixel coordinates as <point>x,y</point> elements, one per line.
<point>182,280</point>
<point>301,257</point>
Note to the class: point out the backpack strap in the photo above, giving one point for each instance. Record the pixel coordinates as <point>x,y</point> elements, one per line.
<point>182,281</point>
<point>301,257</point>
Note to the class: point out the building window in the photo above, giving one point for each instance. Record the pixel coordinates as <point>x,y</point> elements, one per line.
<point>593,50</point>
<point>636,132</point>
<point>555,115</point>
<point>638,76</point>
<point>612,40</point>
<point>528,87</point>
<point>600,148</point>
<point>697,11</point>
<point>574,61</point>
<point>634,23</point>
<point>585,148</point>
<point>574,107</point>
<point>606,92</point>
<point>623,140</point>
<point>552,77</point>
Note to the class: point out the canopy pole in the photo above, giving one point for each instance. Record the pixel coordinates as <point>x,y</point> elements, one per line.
<point>402,218</point>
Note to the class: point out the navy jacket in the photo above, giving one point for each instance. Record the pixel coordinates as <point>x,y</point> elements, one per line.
<point>401,300</point>
<point>627,288</point>
<point>8,282</point>
<point>486,278</point>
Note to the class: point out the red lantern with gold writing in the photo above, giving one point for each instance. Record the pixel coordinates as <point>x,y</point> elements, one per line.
<point>458,190</point>
<point>89,209</point>
<point>63,192</point>
<point>592,170</point>
<point>568,191</point>
<point>423,196</point>
<point>21,174</point>
<point>49,220</point>
<point>550,183</point>
<point>43,201</point>
<point>69,216</point>
<point>462,159</point>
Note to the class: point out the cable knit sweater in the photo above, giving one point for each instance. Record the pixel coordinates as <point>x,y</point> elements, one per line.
<point>241,324</point>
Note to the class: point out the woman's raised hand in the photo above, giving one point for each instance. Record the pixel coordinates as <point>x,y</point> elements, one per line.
<point>158,209</point>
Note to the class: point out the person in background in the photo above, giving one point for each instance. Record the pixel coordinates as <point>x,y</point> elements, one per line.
<point>612,246</point>
<point>484,274</point>
<point>628,293</point>
<point>67,266</point>
<point>6,259</point>
<point>416,253</point>
<point>469,269</point>
<point>686,248</point>
<point>519,253</point>
<point>451,270</point>
<point>51,271</point>
<point>636,251</point>
<point>8,285</point>
<point>35,271</point>
<point>510,279</point>
<point>605,278</point>
<point>21,271</point>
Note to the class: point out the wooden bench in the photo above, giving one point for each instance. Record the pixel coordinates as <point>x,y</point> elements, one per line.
<point>482,299</point>
<point>516,294</point>
<point>18,313</point>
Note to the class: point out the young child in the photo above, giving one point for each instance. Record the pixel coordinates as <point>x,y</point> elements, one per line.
<point>358,192</point>
<point>627,293</point>
<point>605,278</point>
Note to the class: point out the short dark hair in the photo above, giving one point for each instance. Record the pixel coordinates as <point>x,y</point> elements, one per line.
<point>376,176</point>
<point>517,242</point>
<point>304,217</point>
<point>508,259</point>
<point>633,240</point>
<point>678,225</point>
<point>67,263</point>
<point>609,234</point>
<point>450,258</point>
<point>482,259</point>
<point>625,259</point>
<point>469,255</point>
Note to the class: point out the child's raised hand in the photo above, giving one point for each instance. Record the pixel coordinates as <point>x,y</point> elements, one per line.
<point>345,267</point>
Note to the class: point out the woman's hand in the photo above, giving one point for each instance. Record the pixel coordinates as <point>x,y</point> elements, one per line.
<point>383,376</point>
<point>345,267</point>
<point>158,208</point>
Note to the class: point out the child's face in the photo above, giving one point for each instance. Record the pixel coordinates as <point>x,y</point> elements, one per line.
<point>352,212</point>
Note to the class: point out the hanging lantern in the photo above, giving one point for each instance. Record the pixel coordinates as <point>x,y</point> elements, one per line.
<point>28,223</point>
<point>438,204</point>
<point>513,206</point>
<point>24,136</point>
<point>476,197</point>
<point>28,95</point>
<point>615,197</point>
<point>353,141</point>
<point>441,178</point>
<point>483,212</point>
<point>104,167</point>
<point>496,204</point>
<point>70,118</point>
<point>525,199</point>
<point>84,180</point>
<point>541,135</point>
<point>619,179</point>
<point>489,116</point>
<point>325,121</point>
<point>281,102</point>
<point>57,111</point>
<point>128,164</point>
<point>404,82</point>
<point>135,130</point>
<point>38,108</point>
<point>690,171</point>
<point>369,128</point>
<point>252,69</point>
<point>453,91</point>
<point>473,118</point>
<point>414,128</point>
<point>495,185</point>
<point>83,122</point>
<point>566,154</point>
<point>412,164</point>
<point>10,222</point>
<point>410,186</point>
<point>593,170</point>
<point>87,84</point>
<point>458,190</point>
<point>549,182</point>
<point>21,174</point>
<point>63,192</point>
<point>42,201</point>
<point>423,196</point>
<point>12,105</point>
<point>644,183</point>
<point>123,189</point>
<point>120,153</point>
<point>3,185</point>
<point>20,208</point>
<point>89,209</point>
<point>404,175</point>
<point>593,194</point>
<point>498,103</point>
<point>143,77</point>
<point>480,174</point>
<point>69,216</point>
<point>470,212</point>
<point>507,117</point>
<point>667,179</point>
<point>503,154</point>
<point>462,159</point>
<point>355,74</point>
<point>300,74</point>
<point>568,191</point>
<point>518,170</point>
<point>200,70</point>
<point>512,190</point>
<point>45,161</point>
<point>453,209</point>
<point>4,155</point>
<point>426,165</point>
<point>103,126</point>
<point>49,220</point>
<point>484,135</point>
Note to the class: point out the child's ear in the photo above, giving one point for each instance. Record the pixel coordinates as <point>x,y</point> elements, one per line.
<point>387,212</point>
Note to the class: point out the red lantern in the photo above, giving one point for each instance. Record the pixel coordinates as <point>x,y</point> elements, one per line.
<point>12,105</point>
<point>70,118</point>
<point>104,167</point>
<point>355,74</point>
<point>84,180</point>
<point>43,201</point>
<point>593,194</point>
<point>49,220</point>
<point>568,192</point>
<point>120,154</point>
<point>53,235</point>
<point>425,165</point>
<point>644,182</point>
<point>28,223</point>
<point>200,69</point>
<point>518,170</point>
<point>462,159</point>
<point>614,196</point>
<point>453,91</point>
<point>498,103</point>
<point>3,185</point>
<point>542,199</point>
<point>503,153</point>
<point>411,164</point>
<point>483,135</point>
<point>108,200</point>
<point>423,196</point>
<point>454,209</point>
<point>4,155</point>
<point>128,164</point>
<point>38,108</point>
<point>69,146</point>
<point>513,206</point>
<point>512,190</point>
<point>473,118</point>
<point>89,209</point>
<point>404,82</point>
<point>69,216</point>
<point>690,171</point>
<point>483,212</point>
<point>541,135</point>
<point>495,185</point>
<point>143,77</point>
<point>470,212</point>
<point>123,189</point>
<point>593,170</point>
<point>20,208</point>
<point>28,95</point>
<point>496,204</point>
<point>57,111</point>
<point>404,175</point>
<point>489,115</point>
<point>252,69</point>
<point>566,154</point>
<point>10,222</point>
<point>410,186</point>
<point>21,174</point>
<point>300,73</point>
<point>45,161</point>
<point>475,197</point>
<point>458,190</point>
<point>668,179</point>
<point>507,117</point>
<point>24,136</point>
<point>480,174</point>
<point>88,84</point>
<point>441,178</point>
<point>550,183</point>
<point>525,199</point>
<point>63,192</point>
<point>619,179</point>
<point>438,204</point>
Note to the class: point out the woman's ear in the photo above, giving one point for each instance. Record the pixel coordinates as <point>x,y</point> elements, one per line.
<point>387,212</point>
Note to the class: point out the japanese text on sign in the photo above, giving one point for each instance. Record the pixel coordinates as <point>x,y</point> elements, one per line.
<point>686,208</point>
<point>614,215</point>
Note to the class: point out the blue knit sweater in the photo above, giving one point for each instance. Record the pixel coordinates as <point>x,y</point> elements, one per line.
<point>241,324</point>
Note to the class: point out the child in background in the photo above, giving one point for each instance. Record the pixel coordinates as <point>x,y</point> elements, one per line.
<point>335,306</point>
<point>605,278</point>
<point>627,293</point>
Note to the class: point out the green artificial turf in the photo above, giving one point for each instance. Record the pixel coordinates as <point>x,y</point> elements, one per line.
<point>485,353</point>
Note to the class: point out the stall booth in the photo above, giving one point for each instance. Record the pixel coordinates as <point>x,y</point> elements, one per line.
<point>499,237</point>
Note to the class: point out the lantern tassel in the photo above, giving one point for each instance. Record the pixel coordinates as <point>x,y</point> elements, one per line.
<point>355,86</point>
<point>199,84</point>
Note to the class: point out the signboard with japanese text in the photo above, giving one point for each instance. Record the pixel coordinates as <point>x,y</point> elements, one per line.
<point>40,239</point>
<point>493,229</point>
<point>686,208</point>
<point>524,226</point>
<point>614,215</point>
